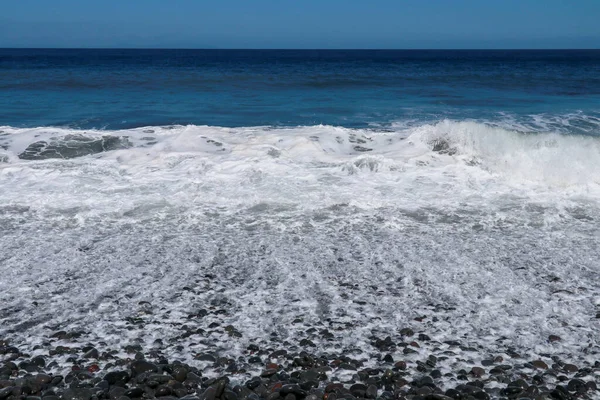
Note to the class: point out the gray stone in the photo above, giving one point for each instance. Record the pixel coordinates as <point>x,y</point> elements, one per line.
<point>92,353</point>
<point>209,394</point>
<point>162,391</point>
<point>4,393</point>
<point>71,146</point>
<point>134,393</point>
<point>78,394</point>
<point>371,392</point>
<point>117,377</point>
<point>43,379</point>
<point>141,366</point>
<point>116,392</point>
<point>179,374</point>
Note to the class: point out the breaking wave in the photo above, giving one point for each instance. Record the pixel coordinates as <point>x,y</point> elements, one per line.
<point>495,227</point>
<point>554,159</point>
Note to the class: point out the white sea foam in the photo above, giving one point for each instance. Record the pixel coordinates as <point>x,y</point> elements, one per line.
<point>492,230</point>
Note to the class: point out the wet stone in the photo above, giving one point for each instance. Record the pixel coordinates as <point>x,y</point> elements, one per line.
<point>268,372</point>
<point>436,374</point>
<point>424,391</point>
<point>431,361</point>
<point>358,390</point>
<point>481,395</point>
<point>453,394</point>
<point>43,379</point>
<point>278,353</point>
<point>401,365</point>
<point>452,343</point>
<point>532,391</point>
<point>519,383</point>
<point>296,390</point>
<point>116,392</point>
<point>560,394</point>
<point>537,379</point>
<point>253,383</point>
<point>4,393</point>
<point>38,361</point>
<point>205,357</point>
<point>371,392</point>
<point>78,394</point>
<point>577,385</point>
<point>539,364</point>
<point>407,332</point>
<point>179,374</point>
<point>134,393</point>
<point>424,381</point>
<point>422,367</point>
<point>423,337</point>
<point>570,368</point>
<point>297,373</point>
<point>347,366</point>
<point>142,366</point>
<point>56,380</point>
<point>92,353</point>
<point>209,394</point>
<point>311,375</point>
<point>117,377</point>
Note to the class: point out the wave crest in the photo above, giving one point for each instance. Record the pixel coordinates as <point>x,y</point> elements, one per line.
<point>552,159</point>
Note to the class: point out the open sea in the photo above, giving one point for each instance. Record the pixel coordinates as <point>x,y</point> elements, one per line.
<point>312,199</point>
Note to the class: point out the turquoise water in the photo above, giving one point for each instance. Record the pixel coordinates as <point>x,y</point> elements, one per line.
<point>117,89</point>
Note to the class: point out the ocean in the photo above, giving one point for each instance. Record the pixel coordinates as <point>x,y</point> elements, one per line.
<point>314,200</point>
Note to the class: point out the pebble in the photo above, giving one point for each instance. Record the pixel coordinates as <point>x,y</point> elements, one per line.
<point>577,385</point>
<point>43,379</point>
<point>116,377</point>
<point>406,332</point>
<point>179,374</point>
<point>293,373</point>
<point>206,357</point>
<point>539,364</point>
<point>436,374</point>
<point>570,368</point>
<point>141,366</point>
<point>92,353</point>
<point>4,393</point>
<point>401,365</point>
<point>78,394</point>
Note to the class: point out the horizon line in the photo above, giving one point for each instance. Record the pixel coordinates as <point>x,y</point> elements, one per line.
<point>304,49</point>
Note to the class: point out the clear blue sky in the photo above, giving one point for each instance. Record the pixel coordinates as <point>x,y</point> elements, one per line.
<point>301,23</point>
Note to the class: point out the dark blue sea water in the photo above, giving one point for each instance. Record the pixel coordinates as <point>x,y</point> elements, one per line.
<point>115,89</point>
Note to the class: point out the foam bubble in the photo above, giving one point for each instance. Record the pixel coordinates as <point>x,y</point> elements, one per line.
<point>492,230</point>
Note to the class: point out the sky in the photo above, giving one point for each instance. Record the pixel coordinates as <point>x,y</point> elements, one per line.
<point>315,24</point>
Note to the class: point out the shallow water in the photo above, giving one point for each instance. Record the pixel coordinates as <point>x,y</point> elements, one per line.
<point>492,236</point>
